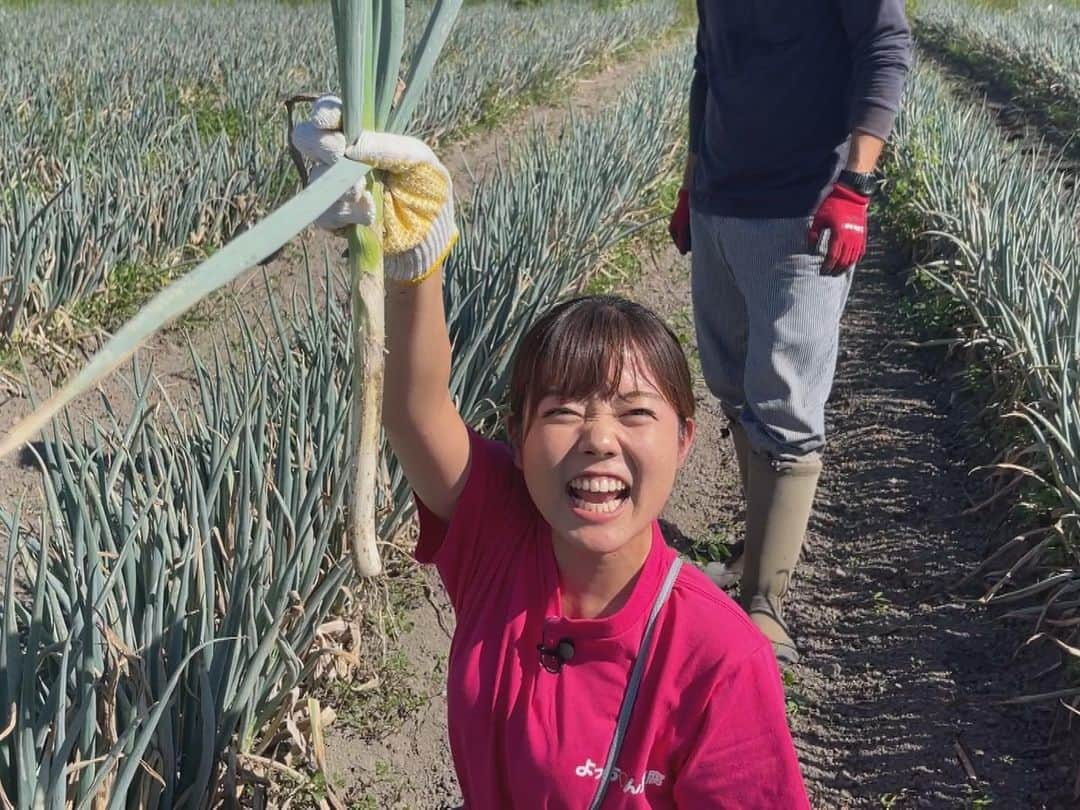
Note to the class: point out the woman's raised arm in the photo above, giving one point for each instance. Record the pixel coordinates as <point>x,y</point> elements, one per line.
<point>428,435</point>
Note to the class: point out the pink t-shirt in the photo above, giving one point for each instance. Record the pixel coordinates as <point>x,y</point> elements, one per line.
<point>708,729</point>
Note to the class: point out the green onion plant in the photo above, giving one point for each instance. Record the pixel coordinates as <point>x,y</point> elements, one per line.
<point>369,35</point>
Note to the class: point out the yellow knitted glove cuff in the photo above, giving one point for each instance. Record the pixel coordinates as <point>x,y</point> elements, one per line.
<point>417,263</point>
<point>439,262</point>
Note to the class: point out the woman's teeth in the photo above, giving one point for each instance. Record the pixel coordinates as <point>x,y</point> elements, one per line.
<point>603,508</point>
<point>598,484</point>
<point>601,494</point>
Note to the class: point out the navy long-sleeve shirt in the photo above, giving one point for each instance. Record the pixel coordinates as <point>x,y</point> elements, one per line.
<point>778,87</point>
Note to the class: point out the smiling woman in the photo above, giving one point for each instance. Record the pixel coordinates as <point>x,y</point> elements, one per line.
<point>602,417</point>
<point>585,661</point>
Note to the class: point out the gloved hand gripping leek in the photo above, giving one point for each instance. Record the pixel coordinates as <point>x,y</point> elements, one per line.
<point>416,215</point>
<point>418,227</point>
<point>418,230</point>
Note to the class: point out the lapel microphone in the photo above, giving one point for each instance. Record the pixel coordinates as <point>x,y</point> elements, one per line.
<point>553,658</point>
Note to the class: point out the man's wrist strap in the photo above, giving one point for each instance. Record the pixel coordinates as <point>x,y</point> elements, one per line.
<point>860,182</point>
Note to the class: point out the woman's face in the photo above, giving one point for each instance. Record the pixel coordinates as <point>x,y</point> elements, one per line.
<point>600,471</point>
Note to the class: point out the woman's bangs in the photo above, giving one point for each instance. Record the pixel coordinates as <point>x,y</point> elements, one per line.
<point>579,350</point>
<point>584,359</point>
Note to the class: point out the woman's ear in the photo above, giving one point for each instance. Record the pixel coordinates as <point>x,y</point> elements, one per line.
<point>686,439</point>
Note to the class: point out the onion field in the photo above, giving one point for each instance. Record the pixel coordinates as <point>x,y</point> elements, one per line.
<point>212,540</point>
<point>144,136</point>
<point>997,222</point>
<point>178,597</point>
<point>1032,49</point>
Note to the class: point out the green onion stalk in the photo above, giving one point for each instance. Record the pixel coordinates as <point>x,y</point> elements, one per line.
<point>366,289</point>
<point>357,60</point>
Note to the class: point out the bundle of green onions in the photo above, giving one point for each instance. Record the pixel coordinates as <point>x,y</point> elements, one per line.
<point>369,36</point>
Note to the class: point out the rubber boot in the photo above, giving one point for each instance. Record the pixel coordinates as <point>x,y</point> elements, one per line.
<point>727,573</point>
<point>779,498</point>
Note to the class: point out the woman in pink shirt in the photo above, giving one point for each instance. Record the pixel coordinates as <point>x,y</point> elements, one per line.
<point>581,647</point>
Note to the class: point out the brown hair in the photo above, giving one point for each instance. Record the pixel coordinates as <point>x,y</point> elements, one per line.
<point>579,347</point>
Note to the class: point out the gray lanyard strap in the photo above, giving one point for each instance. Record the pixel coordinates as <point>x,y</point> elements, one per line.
<point>632,686</point>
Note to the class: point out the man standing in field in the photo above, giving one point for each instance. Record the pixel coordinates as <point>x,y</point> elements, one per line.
<point>790,106</point>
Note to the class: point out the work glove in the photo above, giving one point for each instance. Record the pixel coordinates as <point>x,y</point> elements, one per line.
<point>679,226</point>
<point>843,215</point>
<point>418,199</point>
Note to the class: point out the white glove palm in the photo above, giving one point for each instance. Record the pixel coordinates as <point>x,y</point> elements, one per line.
<point>418,200</point>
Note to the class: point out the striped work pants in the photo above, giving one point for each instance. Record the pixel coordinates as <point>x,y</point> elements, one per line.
<point>768,326</point>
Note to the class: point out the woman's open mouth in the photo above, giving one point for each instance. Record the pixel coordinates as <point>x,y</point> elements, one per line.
<point>597,494</point>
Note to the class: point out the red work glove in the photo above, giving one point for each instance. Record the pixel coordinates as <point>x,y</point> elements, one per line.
<point>679,227</point>
<point>843,215</point>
